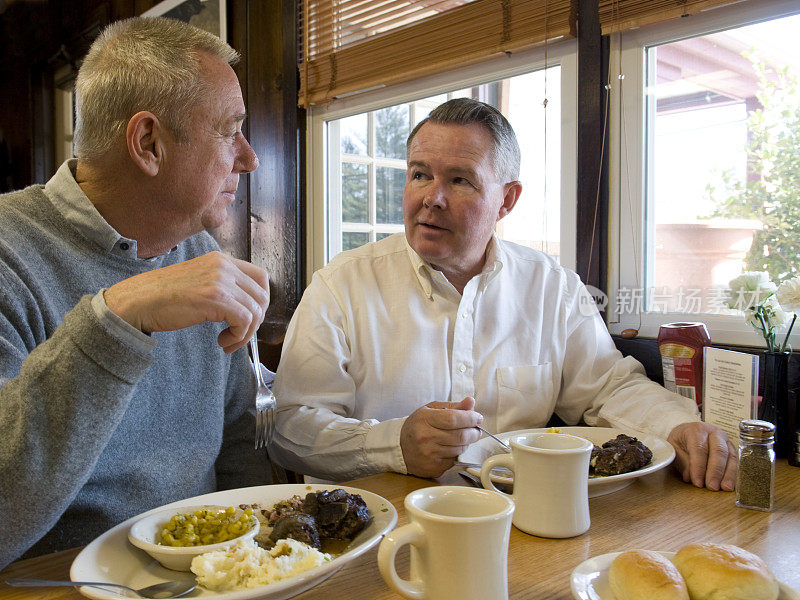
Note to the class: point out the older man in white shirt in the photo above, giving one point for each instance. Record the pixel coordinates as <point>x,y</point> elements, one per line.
<point>400,348</point>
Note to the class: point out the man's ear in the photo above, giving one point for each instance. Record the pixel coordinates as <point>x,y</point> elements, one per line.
<point>512,190</point>
<point>144,136</point>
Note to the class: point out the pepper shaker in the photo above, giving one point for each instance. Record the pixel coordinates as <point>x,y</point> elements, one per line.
<point>756,483</point>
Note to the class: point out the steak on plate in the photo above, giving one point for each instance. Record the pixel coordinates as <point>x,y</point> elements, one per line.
<point>623,454</point>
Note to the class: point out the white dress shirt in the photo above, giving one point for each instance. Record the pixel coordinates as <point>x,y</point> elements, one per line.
<point>379,333</point>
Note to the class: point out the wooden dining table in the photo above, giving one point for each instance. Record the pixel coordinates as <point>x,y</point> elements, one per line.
<point>657,511</point>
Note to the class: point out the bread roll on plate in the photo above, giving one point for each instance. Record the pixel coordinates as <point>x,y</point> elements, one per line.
<point>724,572</point>
<point>645,575</point>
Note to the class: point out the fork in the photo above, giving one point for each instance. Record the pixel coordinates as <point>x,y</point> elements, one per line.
<point>505,446</point>
<point>265,401</point>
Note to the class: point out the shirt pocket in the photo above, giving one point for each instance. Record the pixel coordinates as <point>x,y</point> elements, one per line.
<point>526,396</point>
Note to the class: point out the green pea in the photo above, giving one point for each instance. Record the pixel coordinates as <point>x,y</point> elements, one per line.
<point>206,527</point>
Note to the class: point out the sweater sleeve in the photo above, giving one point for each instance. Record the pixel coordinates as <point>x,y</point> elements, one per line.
<point>61,399</point>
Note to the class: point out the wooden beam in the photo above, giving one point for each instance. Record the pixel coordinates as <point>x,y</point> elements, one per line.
<point>265,32</point>
<point>592,207</point>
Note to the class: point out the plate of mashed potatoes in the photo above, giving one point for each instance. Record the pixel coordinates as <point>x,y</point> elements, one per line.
<point>245,570</point>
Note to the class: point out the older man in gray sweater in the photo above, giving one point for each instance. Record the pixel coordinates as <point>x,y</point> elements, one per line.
<point>123,379</point>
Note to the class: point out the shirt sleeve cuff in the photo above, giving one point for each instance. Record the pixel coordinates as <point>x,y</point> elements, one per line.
<point>382,446</point>
<point>119,328</point>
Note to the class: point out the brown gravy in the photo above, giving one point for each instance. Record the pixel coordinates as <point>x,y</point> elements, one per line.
<point>333,546</point>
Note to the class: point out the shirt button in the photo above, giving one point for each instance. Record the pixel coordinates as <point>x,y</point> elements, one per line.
<point>462,368</point>
<point>124,246</point>
<point>464,315</point>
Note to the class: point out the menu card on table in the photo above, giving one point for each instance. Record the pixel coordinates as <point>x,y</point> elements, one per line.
<point>730,389</point>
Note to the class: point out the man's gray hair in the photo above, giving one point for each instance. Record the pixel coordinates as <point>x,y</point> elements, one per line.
<point>140,64</point>
<point>466,111</point>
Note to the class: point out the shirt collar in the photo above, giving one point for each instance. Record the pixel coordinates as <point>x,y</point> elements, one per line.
<point>422,270</point>
<point>69,199</point>
<point>425,274</point>
<point>495,255</point>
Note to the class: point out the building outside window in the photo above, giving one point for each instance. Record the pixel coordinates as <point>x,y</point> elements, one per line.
<point>708,158</point>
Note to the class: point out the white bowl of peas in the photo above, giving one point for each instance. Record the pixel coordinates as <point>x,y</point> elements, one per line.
<point>175,536</point>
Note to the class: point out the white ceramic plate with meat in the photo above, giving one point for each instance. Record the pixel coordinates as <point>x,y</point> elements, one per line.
<point>112,558</point>
<point>663,455</point>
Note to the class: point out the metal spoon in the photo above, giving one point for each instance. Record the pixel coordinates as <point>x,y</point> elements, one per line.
<point>167,589</point>
<point>495,438</point>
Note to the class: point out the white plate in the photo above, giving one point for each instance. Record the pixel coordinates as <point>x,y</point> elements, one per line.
<point>112,558</point>
<point>589,580</point>
<point>663,454</point>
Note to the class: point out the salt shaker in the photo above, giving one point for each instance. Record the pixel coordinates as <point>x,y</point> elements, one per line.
<point>756,483</point>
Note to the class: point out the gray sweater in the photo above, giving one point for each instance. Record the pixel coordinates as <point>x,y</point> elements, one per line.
<point>99,421</point>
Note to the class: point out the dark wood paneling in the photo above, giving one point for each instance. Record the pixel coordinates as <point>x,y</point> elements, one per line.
<point>15,124</point>
<point>42,110</point>
<point>270,76</point>
<point>36,39</point>
<point>28,35</point>
<point>592,208</point>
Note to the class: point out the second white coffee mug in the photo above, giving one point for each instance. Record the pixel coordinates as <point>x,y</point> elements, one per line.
<point>459,545</point>
<point>551,482</point>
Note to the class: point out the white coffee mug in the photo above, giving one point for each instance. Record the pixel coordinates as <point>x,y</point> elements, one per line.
<point>459,545</point>
<point>551,482</point>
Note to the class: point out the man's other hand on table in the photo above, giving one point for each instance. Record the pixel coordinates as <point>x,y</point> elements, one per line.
<point>704,456</point>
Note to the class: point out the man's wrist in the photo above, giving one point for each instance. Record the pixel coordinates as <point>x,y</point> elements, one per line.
<point>112,300</point>
<point>118,326</point>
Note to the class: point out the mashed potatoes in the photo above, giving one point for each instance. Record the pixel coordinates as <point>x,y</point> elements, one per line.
<point>246,565</point>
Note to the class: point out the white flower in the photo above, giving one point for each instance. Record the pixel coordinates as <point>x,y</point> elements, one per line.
<point>788,295</point>
<point>774,314</point>
<point>749,290</point>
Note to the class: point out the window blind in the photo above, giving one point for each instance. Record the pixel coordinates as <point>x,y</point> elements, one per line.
<point>348,46</point>
<point>355,45</point>
<point>619,15</point>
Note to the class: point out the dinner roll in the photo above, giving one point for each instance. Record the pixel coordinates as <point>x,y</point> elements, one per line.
<point>645,575</point>
<point>725,572</point>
